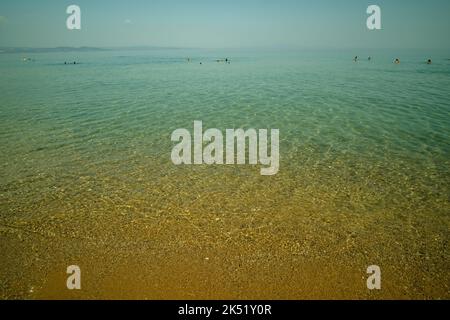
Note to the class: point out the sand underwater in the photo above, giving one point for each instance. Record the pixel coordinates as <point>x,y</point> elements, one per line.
<point>87,180</point>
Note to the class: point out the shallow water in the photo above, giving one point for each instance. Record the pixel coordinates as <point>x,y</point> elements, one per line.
<point>86,175</point>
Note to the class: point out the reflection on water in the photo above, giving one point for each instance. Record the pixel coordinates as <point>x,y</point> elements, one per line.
<point>86,176</point>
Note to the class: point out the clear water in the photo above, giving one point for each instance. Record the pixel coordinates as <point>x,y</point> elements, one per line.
<point>364,171</point>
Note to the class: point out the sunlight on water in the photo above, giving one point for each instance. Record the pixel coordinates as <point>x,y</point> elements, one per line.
<point>86,175</point>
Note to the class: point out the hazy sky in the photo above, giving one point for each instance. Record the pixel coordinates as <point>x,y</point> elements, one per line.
<point>226,23</point>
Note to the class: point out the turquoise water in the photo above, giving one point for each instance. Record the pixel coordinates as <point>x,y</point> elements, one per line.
<point>118,107</point>
<point>367,139</point>
<point>117,103</point>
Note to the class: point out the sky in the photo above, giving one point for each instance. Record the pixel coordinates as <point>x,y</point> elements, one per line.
<point>226,23</point>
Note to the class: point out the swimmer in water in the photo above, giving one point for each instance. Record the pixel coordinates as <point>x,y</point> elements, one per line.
<point>429,61</point>
<point>355,59</point>
<point>397,61</point>
<point>369,58</point>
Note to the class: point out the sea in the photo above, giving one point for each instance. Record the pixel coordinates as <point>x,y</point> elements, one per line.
<point>86,175</point>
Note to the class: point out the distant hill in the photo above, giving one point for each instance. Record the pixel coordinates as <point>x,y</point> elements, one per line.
<point>146,48</point>
<point>81,49</point>
<point>45,50</point>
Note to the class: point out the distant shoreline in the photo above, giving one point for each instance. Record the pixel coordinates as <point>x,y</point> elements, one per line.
<point>76,49</point>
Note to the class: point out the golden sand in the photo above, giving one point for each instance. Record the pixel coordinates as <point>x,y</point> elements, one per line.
<point>228,233</point>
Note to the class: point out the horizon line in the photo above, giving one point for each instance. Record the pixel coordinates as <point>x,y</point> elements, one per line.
<point>44,49</point>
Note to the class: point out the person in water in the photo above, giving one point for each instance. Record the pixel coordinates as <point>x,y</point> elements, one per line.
<point>429,61</point>
<point>369,58</point>
<point>397,61</point>
<point>355,59</point>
